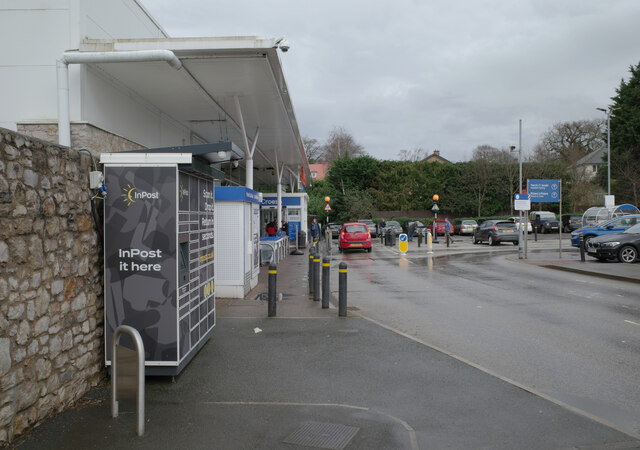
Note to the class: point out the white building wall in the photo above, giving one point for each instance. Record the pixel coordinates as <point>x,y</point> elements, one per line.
<point>35,33</point>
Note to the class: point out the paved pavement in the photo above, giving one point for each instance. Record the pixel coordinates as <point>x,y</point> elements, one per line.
<point>309,378</point>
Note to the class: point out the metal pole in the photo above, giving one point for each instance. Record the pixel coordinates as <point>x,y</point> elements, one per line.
<point>316,277</point>
<point>522,229</point>
<point>608,152</point>
<point>273,274</point>
<point>326,289</point>
<point>581,247</point>
<point>311,251</point>
<point>560,224</point>
<point>342,289</point>
<point>137,340</point>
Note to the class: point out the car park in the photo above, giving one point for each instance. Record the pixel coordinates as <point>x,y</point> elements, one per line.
<point>464,226</point>
<point>494,232</point>
<point>354,235</point>
<point>373,228</point>
<point>624,246</point>
<point>334,228</point>
<point>616,225</point>
<point>516,220</point>
<point>544,222</point>
<point>571,223</point>
<point>395,226</point>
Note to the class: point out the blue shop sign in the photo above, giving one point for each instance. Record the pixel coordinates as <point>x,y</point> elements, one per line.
<point>236,194</point>
<point>286,201</point>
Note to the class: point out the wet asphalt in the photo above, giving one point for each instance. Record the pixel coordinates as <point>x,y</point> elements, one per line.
<point>308,378</point>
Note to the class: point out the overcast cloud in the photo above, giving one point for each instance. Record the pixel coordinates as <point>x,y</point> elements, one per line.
<point>436,74</point>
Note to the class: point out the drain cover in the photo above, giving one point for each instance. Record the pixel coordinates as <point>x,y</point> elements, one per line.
<point>322,435</point>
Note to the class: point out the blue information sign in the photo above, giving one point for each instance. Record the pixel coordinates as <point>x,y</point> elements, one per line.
<point>544,191</point>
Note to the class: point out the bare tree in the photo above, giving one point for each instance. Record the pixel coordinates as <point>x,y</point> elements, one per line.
<point>415,154</point>
<point>340,143</point>
<point>313,149</point>
<point>567,142</point>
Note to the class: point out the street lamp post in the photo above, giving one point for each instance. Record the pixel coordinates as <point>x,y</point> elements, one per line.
<point>608,113</point>
<point>521,226</point>
<point>435,210</point>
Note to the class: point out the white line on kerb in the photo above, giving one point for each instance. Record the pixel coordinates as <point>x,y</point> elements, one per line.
<point>634,323</point>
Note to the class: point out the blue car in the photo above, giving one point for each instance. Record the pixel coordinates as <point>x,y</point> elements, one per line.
<point>615,225</point>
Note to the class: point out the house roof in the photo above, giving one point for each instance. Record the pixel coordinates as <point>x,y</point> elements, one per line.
<point>202,94</point>
<point>435,157</point>
<point>594,157</point>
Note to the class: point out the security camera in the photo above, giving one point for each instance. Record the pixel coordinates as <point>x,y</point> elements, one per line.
<point>235,164</point>
<point>282,44</point>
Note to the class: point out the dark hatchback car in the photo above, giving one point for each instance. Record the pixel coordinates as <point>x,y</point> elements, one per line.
<point>570,223</point>
<point>335,228</point>
<point>395,226</point>
<point>494,232</point>
<point>625,246</point>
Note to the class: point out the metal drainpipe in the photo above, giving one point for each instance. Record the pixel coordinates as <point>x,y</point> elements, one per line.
<point>62,72</point>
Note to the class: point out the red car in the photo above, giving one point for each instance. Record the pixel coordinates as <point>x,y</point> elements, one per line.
<point>439,227</point>
<point>355,235</point>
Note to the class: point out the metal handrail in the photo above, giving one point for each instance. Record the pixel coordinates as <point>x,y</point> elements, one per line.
<point>137,339</point>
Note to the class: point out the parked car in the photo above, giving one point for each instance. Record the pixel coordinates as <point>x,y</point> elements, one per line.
<point>439,226</point>
<point>495,232</point>
<point>516,220</point>
<point>625,246</point>
<point>373,228</point>
<point>616,225</point>
<point>570,223</point>
<point>465,226</point>
<point>335,228</point>
<point>544,221</point>
<point>355,235</point>
<point>395,226</point>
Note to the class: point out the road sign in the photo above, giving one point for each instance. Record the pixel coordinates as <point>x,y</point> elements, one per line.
<point>327,207</point>
<point>403,245</point>
<point>522,202</point>
<point>544,191</point>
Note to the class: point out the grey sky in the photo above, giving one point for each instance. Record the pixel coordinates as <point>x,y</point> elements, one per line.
<point>436,74</point>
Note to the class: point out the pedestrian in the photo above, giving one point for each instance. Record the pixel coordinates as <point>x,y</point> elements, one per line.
<point>412,229</point>
<point>383,224</point>
<point>447,230</point>
<point>285,227</point>
<point>271,228</point>
<point>315,230</point>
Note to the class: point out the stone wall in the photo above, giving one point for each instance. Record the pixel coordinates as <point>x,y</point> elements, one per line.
<point>51,293</point>
<point>83,135</point>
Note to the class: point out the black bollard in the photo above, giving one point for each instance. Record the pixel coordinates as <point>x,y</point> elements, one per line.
<point>342,289</point>
<point>582,258</point>
<point>311,270</point>
<point>535,234</point>
<point>326,288</point>
<point>448,239</point>
<point>316,277</point>
<point>419,239</point>
<point>273,275</point>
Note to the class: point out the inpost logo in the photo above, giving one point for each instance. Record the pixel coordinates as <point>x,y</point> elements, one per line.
<point>131,194</point>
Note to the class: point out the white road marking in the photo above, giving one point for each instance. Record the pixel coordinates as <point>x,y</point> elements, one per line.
<point>633,323</point>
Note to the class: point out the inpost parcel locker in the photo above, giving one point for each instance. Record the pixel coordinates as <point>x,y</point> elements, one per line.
<point>159,256</point>
<point>237,240</point>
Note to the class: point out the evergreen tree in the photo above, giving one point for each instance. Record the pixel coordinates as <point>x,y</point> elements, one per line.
<point>625,140</point>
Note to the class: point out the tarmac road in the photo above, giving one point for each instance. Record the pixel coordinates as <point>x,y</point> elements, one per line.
<point>573,337</point>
